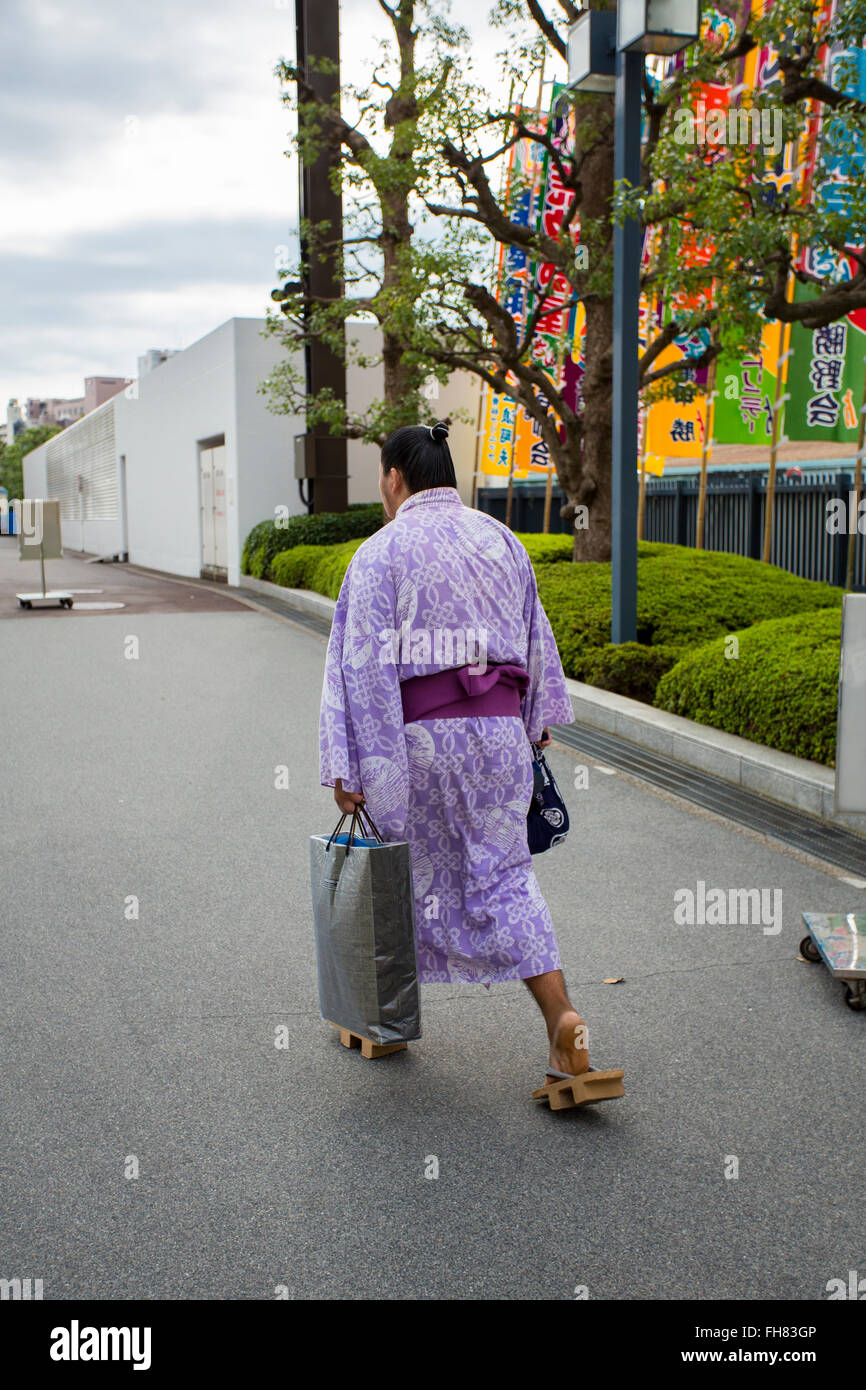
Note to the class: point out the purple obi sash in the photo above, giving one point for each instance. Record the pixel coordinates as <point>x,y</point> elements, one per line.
<point>455,694</point>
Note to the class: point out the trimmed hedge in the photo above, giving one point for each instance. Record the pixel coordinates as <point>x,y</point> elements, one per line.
<point>685,598</point>
<point>689,602</point>
<point>629,668</point>
<point>316,567</point>
<point>780,690</point>
<point>546,550</point>
<point>267,539</point>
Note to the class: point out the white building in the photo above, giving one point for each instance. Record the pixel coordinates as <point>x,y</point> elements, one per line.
<point>14,417</point>
<point>176,470</point>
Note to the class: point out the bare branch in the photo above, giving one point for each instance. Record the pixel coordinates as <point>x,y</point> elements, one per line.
<point>547,28</point>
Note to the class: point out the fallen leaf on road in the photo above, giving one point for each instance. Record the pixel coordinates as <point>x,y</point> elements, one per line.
<point>614,980</point>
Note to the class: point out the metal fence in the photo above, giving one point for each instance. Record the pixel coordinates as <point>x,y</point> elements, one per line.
<point>734,518</point>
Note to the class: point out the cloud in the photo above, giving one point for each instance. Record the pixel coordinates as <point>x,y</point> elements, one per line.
<point>143,179</point>
<point>97,306</point>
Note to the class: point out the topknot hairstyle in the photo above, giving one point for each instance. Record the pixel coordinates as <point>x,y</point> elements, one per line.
<point>422,455</point>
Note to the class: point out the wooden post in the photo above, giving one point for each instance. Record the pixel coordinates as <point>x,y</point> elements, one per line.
<point>706,450</point>
<point>509,497</point>
<point>774,445</point>
<point>855,499</point>
<point>548,499</point>
<point>317,28</point>
<point>479,424</point>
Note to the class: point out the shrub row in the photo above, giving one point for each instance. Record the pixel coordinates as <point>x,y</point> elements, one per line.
<point>685,598</point>
<point>780,689</point>
<point>269,539</point>
<point>317,567</point>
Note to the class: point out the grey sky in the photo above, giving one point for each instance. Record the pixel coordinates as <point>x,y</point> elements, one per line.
<point>143,181</point>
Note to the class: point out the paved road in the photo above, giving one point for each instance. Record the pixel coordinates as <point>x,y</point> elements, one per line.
<point>96,586</point>
<point>154,1037</point>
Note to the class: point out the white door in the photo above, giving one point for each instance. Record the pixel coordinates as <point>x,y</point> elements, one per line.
<point>214,535</point>
<point>220,521</point>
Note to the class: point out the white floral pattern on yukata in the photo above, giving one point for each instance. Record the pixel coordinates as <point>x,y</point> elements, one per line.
<point>458,790</point>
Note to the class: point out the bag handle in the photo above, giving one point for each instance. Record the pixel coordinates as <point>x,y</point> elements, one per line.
<point>365,818</point>
<point>360,817</point>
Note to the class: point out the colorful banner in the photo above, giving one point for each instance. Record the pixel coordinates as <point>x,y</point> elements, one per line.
<point>512,440</point>
<point>825,378</point>
<point>506,442</point>
<point>823,374</point>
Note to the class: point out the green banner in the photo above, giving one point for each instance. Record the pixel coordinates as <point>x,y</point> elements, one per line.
<point>825,378</point>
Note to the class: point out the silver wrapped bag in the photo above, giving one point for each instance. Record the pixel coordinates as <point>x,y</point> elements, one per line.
<point>365,933</point>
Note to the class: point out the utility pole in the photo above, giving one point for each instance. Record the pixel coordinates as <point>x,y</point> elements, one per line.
<point>626,296</point>
<point>320,456</point>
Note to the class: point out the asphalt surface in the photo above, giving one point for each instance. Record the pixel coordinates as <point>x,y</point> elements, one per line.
<point>152,1040</point>
<point>93,584</point>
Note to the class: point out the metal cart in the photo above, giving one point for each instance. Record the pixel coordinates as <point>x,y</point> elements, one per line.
<point>839,940</point>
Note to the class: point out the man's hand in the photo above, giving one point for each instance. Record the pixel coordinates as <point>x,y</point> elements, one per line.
<point>545,740</point>
<point>347,801</point>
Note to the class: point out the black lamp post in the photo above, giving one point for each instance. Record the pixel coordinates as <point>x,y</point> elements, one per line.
<point>606,52</point>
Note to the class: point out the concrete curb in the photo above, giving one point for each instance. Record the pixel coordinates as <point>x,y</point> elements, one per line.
<point>302,599</point>
<point>780,777</point>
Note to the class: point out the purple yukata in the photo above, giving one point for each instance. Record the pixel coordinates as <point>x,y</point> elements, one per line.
<point>443,587</point>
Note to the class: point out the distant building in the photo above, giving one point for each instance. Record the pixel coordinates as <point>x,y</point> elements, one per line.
<point>153,358</point>
<point>54,411</point>
<point>63,411</point>
<point>99,389</point>
<point>13,424</point>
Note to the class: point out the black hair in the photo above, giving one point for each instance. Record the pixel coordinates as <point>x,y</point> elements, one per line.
<point>422,455</point>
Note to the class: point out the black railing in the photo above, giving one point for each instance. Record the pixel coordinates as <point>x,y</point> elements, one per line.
<point>734,518</point>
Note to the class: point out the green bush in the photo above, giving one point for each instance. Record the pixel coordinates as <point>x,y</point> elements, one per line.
<point>316,567</point>
<point>685,598</point>
<point>267,539</point>
<point>545,550</point>
<point>688,602</point>
<point>629,668</point>
<point>780,690</point>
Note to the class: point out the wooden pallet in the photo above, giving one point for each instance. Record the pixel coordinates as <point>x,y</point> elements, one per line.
<point>586,1089</point>
<point>368,1047</point>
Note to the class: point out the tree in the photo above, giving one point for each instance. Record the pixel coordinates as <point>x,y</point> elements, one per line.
<point>386,152</point>
<point>724,228</point>
<point>726,233</point>
<point>11,476</point>
<point>473,329</point>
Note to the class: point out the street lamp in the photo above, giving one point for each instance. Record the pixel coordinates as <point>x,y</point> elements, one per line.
<point>642,26</point>
<point>592,52</point>
<point>658,26</point>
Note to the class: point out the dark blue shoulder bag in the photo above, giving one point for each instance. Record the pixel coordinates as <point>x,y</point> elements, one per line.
<point>547,822</point>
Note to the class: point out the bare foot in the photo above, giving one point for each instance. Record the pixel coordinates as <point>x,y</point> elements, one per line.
<point>568,1050</point>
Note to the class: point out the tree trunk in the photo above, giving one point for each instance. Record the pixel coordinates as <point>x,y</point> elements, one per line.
<point>594,489</point>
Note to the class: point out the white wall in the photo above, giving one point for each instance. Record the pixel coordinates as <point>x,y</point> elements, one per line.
<point>158,423</point>
<point>188,398</point>
<point>209,389</point>
<point>265,442</point>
